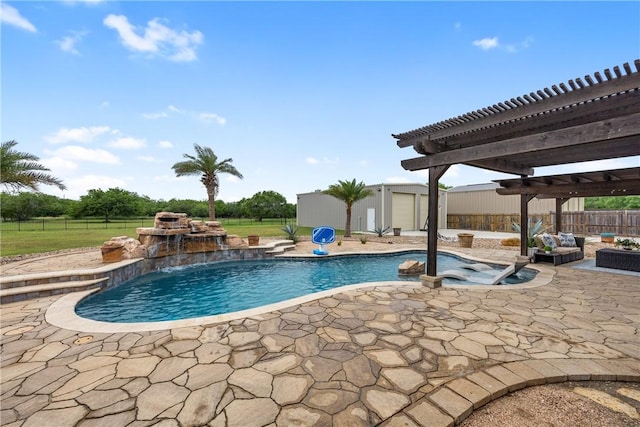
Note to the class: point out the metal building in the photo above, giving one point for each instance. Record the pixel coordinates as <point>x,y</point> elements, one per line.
<point>401,206</point>
<point>483,199</point>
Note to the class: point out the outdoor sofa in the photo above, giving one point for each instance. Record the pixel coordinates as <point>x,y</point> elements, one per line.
<point>565,247</point>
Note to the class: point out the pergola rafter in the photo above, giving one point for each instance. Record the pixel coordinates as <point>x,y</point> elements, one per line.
<point>592,119</point>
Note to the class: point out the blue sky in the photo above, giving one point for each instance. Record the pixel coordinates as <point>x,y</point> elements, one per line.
<point>299,94</point>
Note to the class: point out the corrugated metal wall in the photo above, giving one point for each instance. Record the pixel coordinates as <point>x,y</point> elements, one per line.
<point>315,209</point>
<point>490,202</point>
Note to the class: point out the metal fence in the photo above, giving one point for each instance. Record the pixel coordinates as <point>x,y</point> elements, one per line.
<point>58,224</point>
<point>620,222</point>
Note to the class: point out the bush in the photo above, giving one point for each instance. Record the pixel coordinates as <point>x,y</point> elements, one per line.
<point>380,231</point>
<point>291,233</point>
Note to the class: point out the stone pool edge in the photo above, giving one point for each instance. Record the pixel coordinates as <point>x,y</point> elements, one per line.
<point>62,314</point>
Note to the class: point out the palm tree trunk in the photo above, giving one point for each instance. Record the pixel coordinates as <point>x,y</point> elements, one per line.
<point>212,205</point>
<point>347,226</point>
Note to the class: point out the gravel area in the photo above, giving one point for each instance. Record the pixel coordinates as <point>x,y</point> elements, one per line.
<point>557,405</point>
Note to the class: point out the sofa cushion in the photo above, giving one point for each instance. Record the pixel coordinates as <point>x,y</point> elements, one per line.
<point>548,240</point>
<point>567,240</point>
<point>566,250</point>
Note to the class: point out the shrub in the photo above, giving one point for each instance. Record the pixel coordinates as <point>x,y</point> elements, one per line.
<point>380,231</point>
<point>291,232</point>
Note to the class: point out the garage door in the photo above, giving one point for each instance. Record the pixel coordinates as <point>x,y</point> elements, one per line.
<point>424,211</point>
<point>403,211</point>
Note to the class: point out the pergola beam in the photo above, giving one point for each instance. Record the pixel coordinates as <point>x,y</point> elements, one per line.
<point>587,189</point>
<point>628,126</point>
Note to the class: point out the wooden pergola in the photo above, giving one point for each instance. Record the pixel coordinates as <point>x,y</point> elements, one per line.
<point>594,118</point>
<point>615,182</point>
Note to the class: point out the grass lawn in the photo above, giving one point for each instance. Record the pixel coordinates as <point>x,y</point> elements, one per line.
<point>30,242</point>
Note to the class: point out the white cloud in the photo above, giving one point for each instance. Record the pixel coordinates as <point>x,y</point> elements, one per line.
<point>486,43</point>
<point>80,186</point>
<point>59,164</point>
<point>422,174</point>
<point>398,180</point>
<point>204,117</point>
<point>89,2</point>
<point>493,43</point>
<point>165,144</point>
<point>597,165</point>
<point>148,159</point>
<point>332,162</point>
<point>81,134</point>
<point>325,161</point>
<point>171,178</point>
<point>453,171</point>
<point>156,39</point>
<point>74,152</point>
<point>363,163</point>
<point>175,109</point>
<point>128,143</point>
<point>154,116</point>
<point>210,117</point>
<point>68,43</point>
<point>11,15</point>
<point>457,26</point>
<point>105,104</point>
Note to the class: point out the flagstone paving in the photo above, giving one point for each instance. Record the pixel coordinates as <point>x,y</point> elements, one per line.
<point>386,355</point>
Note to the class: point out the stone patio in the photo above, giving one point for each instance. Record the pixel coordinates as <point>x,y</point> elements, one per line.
<point>392,355</point>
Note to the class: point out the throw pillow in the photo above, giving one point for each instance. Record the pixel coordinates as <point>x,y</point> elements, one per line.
<point>567,240</point>
<point>539,242</point>
<point>547,239</point>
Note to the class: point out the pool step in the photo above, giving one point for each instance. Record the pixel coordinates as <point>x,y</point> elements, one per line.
<point>280,246</point>
<point>24,292</point>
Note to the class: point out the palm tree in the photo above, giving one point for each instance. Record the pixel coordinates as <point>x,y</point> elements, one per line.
<point>349,192</point>
<point>20,170</point>
<point>205,163</point>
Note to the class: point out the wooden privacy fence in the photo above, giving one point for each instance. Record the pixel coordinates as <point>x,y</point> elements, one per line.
<point>620,222</point>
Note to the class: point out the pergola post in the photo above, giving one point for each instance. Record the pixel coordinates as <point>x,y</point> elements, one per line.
<point>559,203</point>
<point>524,224</point>
<point>432,223</point>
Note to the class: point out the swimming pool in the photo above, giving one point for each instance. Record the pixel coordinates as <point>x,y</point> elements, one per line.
<point>225,287</point>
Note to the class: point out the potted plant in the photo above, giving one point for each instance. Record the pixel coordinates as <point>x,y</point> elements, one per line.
<point>627,244</point>
<point>547,249</point>
<point>532,231</point>
<point>531,247</point>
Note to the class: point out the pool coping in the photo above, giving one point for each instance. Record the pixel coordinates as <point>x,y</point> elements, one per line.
<point>62,314</point>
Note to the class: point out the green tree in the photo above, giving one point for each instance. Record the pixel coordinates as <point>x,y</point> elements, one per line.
<point>115,202</point>
<point>27,205</point>
<point>19,170</point>
<point>349,192</point>
<point>193,208</point>
<point>612,202</point>
<point>206,164</point>
<point>266,204</point>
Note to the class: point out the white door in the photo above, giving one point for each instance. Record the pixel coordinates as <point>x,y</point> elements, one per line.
<point>371,219</point>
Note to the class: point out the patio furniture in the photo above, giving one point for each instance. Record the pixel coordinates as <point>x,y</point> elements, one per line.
<point>618,258</point>
<point>562,254</point>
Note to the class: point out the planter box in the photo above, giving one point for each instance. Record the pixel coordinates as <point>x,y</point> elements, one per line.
<point>607,237</point>
<point>465,240</point>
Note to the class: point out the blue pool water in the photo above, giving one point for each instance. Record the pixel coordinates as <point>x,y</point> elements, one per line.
<point>225,287</point>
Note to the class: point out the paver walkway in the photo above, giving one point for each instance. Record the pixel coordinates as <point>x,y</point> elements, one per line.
<point>391,355</point>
